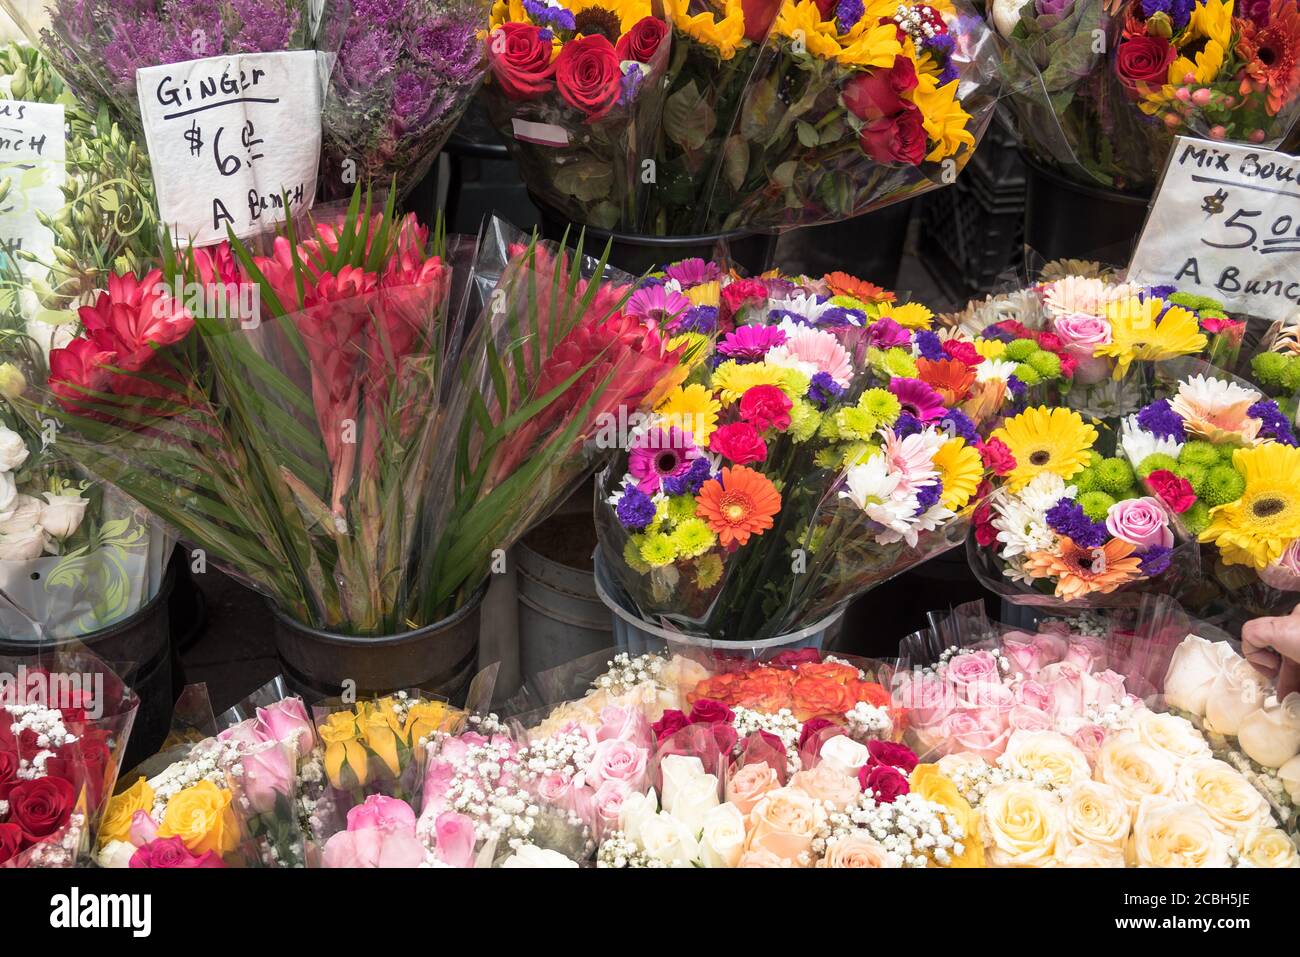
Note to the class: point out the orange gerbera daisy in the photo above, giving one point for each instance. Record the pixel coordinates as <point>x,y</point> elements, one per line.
<point>742,504</point>
<point>950,378</point>
<point>842,284</point>
<point>1082,571</point>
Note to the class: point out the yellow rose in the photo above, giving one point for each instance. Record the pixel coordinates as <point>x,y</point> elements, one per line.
<point>1266,847</point>
<point>1024,826</point>
<point>1135,769</point>
<point>202,818</point>
<point>1173,736</point>
<point>928,781</point>
<point>424,718</point>
<point>116,825</point>
<point>1097,816</point>
<point>1049,753</point>
<point>1172,833</point>
<point>340,733</point>
<point>381,730</point>
<point>1223,793</point>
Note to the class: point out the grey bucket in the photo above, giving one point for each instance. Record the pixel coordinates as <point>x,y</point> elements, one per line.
<point>561,617</point>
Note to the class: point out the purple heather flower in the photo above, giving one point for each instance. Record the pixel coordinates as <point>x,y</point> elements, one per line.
<point>927,496</point>
<point>1162,421</point>
<point>366,58</point>
<point>750,343</point>
<point>930,346</point>
<point>635,509</point>
<point>823,389</point>
<point>376,13</point>
<point>1276,426</point>
<point>886,333</point>
<point>960,425</point>
<point>1155,560</point>
<point>265,27</point>
<point>689,484</point>
<point>694,271</point>
<point>848,13</point>
<point>1066,518</point>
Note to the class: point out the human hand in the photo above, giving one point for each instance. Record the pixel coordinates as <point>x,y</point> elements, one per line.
<point>1272,646</point>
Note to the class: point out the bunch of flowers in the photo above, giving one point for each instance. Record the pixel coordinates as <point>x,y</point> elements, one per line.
<point>818,419</point>
<point>230,800</point>
<point>1107,113</point>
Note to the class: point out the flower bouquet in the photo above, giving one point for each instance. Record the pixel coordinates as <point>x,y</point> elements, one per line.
<point>1100,90</point>
<point>807,456</point>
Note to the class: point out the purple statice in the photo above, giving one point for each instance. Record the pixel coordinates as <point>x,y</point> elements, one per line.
<point>949,73</point>
<point>1157,292</point>
<point>690,482</point>
<point>635,509</point>
<point>1066,518</point>
<point>958,423</point>
<point>630,84</point>
<point>1151,7</point>
<point>1276,426</point>
<point>886,333</point>
<point>848,13</point>
<point>907,424</point>
<point>927,497</point>
<point>823,389</point>
<point>545,15</point>
<point>702,319</point>
<point>1181,12</point>
<point>1016,387</point>
<point>840,316</point>
<point>942,44</point>
<point>1162,421</point>
<point>1155,560</point>
<point>999,333</point>
<point>930,346</point>
<point>779,315</point>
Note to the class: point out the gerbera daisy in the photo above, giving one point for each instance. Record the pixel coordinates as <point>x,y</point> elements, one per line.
<point>657,304</point>
<point>731,380</point>
<point>705,294</point>
<point>802,307</point>
<point>995,370</point>
<point>960,469</point>
<point>741,504</point>
<point>1256,529</point>
<point>912,457</point>
<point>842,284</point>
<point>693,409</point>
<point>1216,409</point>
<point>1273,54</point>
<point>950,378</point>
<point>909,315</point>
<point>917,399</point>
<point>1083,571</point>
<point>751,343</point>
<point>694,271</point>
<point>1149,329</point>
<point>812,351</point>
<point>660,454</point>
<point>1046,440</point>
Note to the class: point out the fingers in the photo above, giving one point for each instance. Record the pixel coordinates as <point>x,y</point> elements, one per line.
<point>1281,635</point>
<point>1288,680</point>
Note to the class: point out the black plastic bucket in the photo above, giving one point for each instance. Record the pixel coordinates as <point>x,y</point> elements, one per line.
<point>1069,220</point>
<point>441,658</point>
<point>637,254</point>
<point>141,647</point>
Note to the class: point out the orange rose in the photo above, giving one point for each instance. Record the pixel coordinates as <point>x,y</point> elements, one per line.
<point>829,670</point>
<point>765,690</point>
<point>816,698</point>
<point>874,694</point>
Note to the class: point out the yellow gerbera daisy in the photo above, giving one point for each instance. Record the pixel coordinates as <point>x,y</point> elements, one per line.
<point>944,118</point>
<point>909,315</point>
<point>693,408</point>
<point>705,294</point>
<point>1136,333</point>
<point>1256,529</point>
<point>960,469</point>
<point>724,34</point>
<point>1046,440</point>
<point>731,380</point>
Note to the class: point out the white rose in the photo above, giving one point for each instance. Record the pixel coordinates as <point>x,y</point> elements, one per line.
<point>667,840</point>
<point>1171,833</point>
<point>677,771</point>
<point>115,854</point>
<point>1271,735</point>
<point>62,514</point>
<point>693,800</point>
<point>23,546</point>
<point>1235,693</point>
<point>1006,14</point>
<point>723,837</point>
<point>1223,792</point>
<point>1266,847</point>
<point>1024,826</point>
<point>636,810</point>
<point>8,491</point>
<point>1192,670</point>
<point>1049,753</point>
<point>844,754</point>
<point>1098,816</point>
<point>532,856</point>
<point>1134,768</point>
<point>1093,855</point>
<point>13,449</point>
<point>1289,775</point>
<point>1173,736</point>
<point>23,512</point>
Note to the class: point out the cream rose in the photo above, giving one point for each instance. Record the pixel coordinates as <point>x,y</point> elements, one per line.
<point>1224,794</point>
<point>829,784</point>
<point>1134,768</point>
<point>1173,736</point>
<point>1289,775</point>
<point>1266,847</point>
<point>1192,670</point>
<point>669,841</point>
<point>13,449</point>
<point>844,754</point>
<point>1024,827</point>
<point>857,851</point>
<point>1097,816</point>
<point>1093,855</point>
<point>1171,833</point>
<point>750,783</point>
<point>532,856</point>
<point>1049,753</point>
<point>115,854</point>
<point>722,837</point>
<point>784,823</point>
<point>761,858</point>
<point>1235,693</point>
<point>1271,735</point>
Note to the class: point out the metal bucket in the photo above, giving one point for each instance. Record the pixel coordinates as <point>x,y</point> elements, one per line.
<point>561,616</point>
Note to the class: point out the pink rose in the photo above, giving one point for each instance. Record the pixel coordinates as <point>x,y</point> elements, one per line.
<point>669,723</point>
<point>143,828</point>
<point>708,711</point>
<point>964,732</point>
<point>455,836</point>
<point>287,720</point>
<point>243,734</point>
<point>1025,718</point>
<point>382,813</point>
<point>991,702</point>
<point>268,774</point>
<point>759,857</point>
<point>1087,652</point>
<point>1284,574</point>
<point>171,852</point>
<point>1103,688</point>
<point>928,699</point>
<point>606,804</point>
<point>373,847</point>
<point>747,785</point>
<point>1065,681</point>
<point>1142,522</point>
<point>616,760</point>
<point>1025,655</point>
<point>828,784</point>
<point>1089,738</point>
<point>1052,643</point>
<point>554,787</point>
<point>1081,334</point>
<point>625,724</point>
<point>1034,694</point>
<point>969,671</point>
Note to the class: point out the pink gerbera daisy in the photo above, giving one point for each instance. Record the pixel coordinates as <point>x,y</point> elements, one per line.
<point>692,272</point>
<point>911,457</point>
<point>751,343</point>
<point>660,454</point>
<point>657,304</point>
<point>813,351</point>
<point>917,399</point>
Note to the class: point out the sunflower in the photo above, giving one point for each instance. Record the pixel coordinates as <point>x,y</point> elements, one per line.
<point>507,11</point>
<point>740,505</point>
<point>1149,329</point>
<point>871,43</point>
<point>946,122</point>
<point>842,284</point>
<point>606,16</point>
<point>960,469</point>
<point>1256,529</point>
<point>732,379</point>
<point>802,20</point>
<point>1210,21</point>
<point>723,34</point>
<point>1082,571</point>
<point>693,409</point>
<point>1046,440</point>
<point>909,315</point>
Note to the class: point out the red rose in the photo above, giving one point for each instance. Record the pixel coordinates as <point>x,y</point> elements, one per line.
<point>588,76</point>
<point>521,60</point>
<point>8,772</point>
<point>878,94</point>
<point>641,43</point>
<point>11,840</point>
<point>171,852</point>
<point>795,658</point>
<point>41,807</point>
<point>759,15</point>
<point>1143,63</point>
<point>891,755</point>
<point>766,407</point>
<point>810,729</point>
<point>708,711</point>
<point>885,782</point>
<point>725,735</point>
<point>896,139</point>
<point>669,724</point>
<point>1174,491</point>
<point>738,442</point>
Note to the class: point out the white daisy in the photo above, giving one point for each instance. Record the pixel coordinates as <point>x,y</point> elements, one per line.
<point>803,305</point>
<point>1021,529</point>
<point>999,370</point>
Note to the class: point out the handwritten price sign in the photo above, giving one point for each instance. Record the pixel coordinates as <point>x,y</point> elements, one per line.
<point>32,160</point>
<point>229,137</point>
<point>1226,223</point>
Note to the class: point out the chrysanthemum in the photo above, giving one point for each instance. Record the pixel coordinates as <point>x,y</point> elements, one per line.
<point>1046,440</point>
<point>660,454</point>
<point>961,469</point>
<point>995,370</point>
<point>909,315</point>
<point>878,490</point>
<point>1045,491</point>
<point>1138,443</point>
<point>1216,409</point>
<point>708,571</point>
<point>692,408</point>
<point>917,399</point>
<point>1082,571</point>
<point>812,351</point>
<point>658,550</point>
<point>1021,528</point>
<point>1256,529</point>
<point>657,304</point>
<point>740,505</point>
<point>693,538</point>
<point>731,380</point>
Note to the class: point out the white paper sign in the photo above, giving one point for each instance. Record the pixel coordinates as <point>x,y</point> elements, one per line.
<point>542,134</point>
<point>1225,223</point>
<point>228,137</point>
<point>32,156</point>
